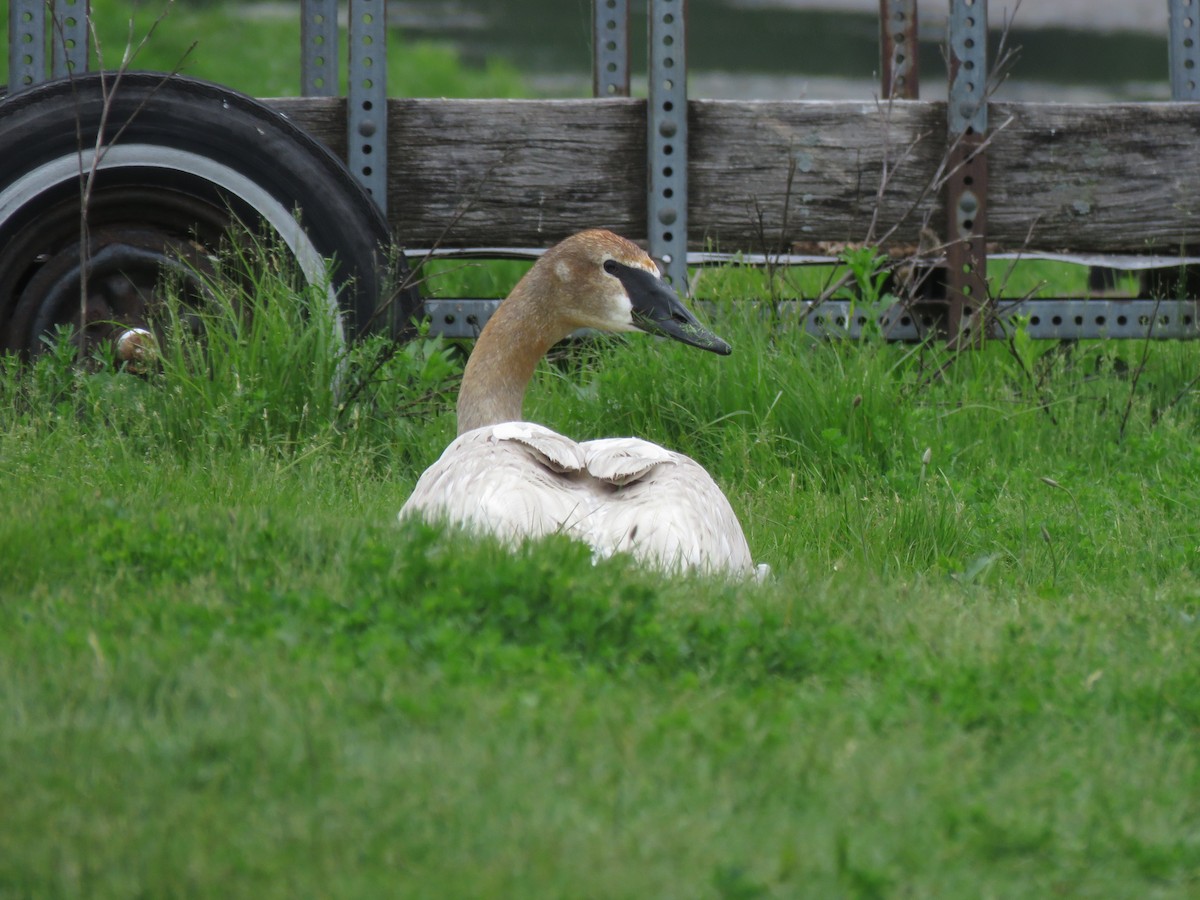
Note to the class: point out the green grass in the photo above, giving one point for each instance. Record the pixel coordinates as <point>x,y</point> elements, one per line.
<point>225,670</point>
<point>255,48</point>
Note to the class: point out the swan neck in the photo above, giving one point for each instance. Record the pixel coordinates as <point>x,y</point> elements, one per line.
<point>502,364</point>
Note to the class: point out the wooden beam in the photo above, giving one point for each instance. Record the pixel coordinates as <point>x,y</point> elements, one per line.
<point>1087,178</point>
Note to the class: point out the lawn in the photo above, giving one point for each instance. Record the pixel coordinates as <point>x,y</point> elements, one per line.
<point>227,671</point>
<point>255,48</point>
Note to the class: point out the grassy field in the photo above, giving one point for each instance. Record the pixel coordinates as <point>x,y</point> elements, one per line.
<point>255,48</point>
<point>226,671</point>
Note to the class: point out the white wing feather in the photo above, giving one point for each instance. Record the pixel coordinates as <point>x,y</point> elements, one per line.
<point>674,514</point>
<point>622,460</point>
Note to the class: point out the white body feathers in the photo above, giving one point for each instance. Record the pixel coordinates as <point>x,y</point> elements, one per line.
<point>518,480</point>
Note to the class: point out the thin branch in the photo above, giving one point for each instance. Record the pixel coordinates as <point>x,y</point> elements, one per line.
<point>100,148</point>
<point>411,281</point>
<point>1187,389</point>
<point>1137,373</point>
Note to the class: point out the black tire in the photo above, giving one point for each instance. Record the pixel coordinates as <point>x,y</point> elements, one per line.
<point>185,160</point>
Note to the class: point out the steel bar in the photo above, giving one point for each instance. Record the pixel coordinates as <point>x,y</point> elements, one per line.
<point>458,317</point>
<point>898,57</point>
<point>1183,42</point>
<point>966,249</point>
<point>610,48</point>
<point>1122,262</point>
<point>367,103</point>
<point>1184,52</point>
<point>667,140</point>
<point>966,188</point>
<point>319,48</point>
<point>1041,319</point>
<point>26,44</point>
<point>69,37</point>
<point>967,40</point>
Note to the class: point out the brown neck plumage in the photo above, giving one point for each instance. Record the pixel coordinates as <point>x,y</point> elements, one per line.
<point>518,334</point>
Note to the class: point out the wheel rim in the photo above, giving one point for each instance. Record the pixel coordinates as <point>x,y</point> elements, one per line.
<point>127,269</point>
<point>154,211</point>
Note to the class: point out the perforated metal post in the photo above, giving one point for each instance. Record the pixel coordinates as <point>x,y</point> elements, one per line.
<point>69,37</point>
<point>610,48</point>
<point>319,48</point>
<point>1185,49</point>
<point>26,44</point>
<point>966,189</point>
<point>367,104</point>
<point>667,140</point>
<point>898,70</point>
<point>1184,57</point>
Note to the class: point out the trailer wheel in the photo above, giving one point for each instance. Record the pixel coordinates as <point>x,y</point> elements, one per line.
<point>180,163</point>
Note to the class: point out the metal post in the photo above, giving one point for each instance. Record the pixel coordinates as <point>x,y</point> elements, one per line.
<point>319,48</point>
<point>26,44</point>
<point>69,37</point>
<point>367,105</point>
<point>1185,49</point>
<point>966,189</point>
<point>898,70</point>
<point>1184,56</point>
<point>610,48</point>
<point>667,140</point>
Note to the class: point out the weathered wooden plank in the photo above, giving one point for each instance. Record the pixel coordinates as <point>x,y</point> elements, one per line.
<point>1094,178</point>
<point>513,170</point>
<point>504,173</point>
<point>835,156</point>
<point>1106,177</point>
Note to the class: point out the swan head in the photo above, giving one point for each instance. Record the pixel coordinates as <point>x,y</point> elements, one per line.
<point>608,283</point>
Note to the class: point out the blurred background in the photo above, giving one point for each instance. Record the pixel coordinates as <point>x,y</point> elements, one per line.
<point>1067,50</point>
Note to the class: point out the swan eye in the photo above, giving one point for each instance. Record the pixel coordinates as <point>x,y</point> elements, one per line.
<point>610,267</point>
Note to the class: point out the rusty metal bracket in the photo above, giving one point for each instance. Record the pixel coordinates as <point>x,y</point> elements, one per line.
<point>967,179</point>
<point>898,57</point>
<point>610,48</point>
<point>966,251</point>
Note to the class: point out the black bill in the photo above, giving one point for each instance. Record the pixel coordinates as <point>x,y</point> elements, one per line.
<point>658,310</point>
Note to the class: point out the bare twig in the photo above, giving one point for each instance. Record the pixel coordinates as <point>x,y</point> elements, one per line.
<point>389,350</point>
<point>1141,367</point>
<point>100,147</point>
<point>1187,389</point>
<point>411,280</point>
<point>941,174</point>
